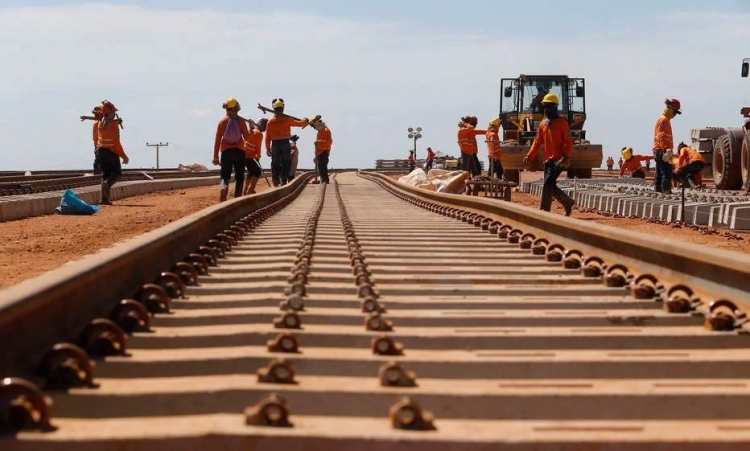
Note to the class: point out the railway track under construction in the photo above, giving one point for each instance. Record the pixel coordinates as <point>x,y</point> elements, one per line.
<point>367,315</point>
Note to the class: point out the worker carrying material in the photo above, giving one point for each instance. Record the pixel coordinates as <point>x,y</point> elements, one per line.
<point>109,150</point>
<point>323,143</point>
<point>691,164</point>
<point>664,145</point>
<point>493,149</point>
<point>278,146</point>
<point>467,144</point>
<point>554,135</point>
<point>430,159</point>
<point>252,154</point>
<point>632,163</point>
<point>231,134</point>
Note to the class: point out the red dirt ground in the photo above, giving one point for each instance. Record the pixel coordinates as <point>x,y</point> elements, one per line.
<point>36,245</point>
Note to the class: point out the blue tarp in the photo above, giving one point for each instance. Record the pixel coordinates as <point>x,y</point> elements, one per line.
<point>70,204</point>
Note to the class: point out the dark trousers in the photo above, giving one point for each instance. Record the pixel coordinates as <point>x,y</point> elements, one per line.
<point>428,165</point>
<point>550,188</point>
<point>689,170</point>
<point>97,166</point>
<point>253,167</point>
<point>470,162</point>
<point>411,167</point>
<point>609,167</point>
<point>233,159</point>
<point>109,162</point>
<point>496,168</point>
<point>639,174</point>
<point>323,166</point>
<point>663,176</point>
<point>281,155</point>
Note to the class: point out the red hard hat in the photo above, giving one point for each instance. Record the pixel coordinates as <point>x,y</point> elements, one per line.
<point>108,107</point>
<point>673,103</point>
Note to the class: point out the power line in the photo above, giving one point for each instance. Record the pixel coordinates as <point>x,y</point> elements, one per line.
<point>160,144</point>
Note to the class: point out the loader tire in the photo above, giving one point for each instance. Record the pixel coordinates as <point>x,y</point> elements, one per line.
<point>726,167</point>
<point>512,175</point>
<point>746,161</point>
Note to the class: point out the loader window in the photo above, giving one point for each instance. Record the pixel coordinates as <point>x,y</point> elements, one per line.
<point>535,91</point>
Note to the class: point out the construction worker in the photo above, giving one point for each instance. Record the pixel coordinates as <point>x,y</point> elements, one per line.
<point>430,159</point>
<point>610,163</point>
<point>467,143</point>
<point>493,149</point>
<point>109,150</point>
<point>619,163</point>
<point>411,160</point>
<point>278,146</point>
<point>323,143</point>
<point>294,161</point>
<point>252,154</point>
<point>663,145</point>
<point>97,116</point>
<point>231,134</point>
<point>554,135</point>
<point>632,163</point>
<point>691,164</point>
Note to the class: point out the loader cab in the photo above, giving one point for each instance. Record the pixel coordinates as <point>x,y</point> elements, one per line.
<point>521,104</point>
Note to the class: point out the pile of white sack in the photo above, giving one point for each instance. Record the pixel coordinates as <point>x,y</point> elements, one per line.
<point>442,181</point>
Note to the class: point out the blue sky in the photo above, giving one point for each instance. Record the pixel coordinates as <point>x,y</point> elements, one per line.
<point>372,69</point>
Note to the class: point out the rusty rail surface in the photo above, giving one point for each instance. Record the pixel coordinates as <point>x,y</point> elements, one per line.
<point>347,316</point>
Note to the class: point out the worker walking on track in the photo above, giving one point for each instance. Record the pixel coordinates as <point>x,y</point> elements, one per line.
<point>231,134</point>
<point>632,163</point>
<point>691,164</point>
<point>430,159</point>
<point>554,135</point>
<point>663,145</point>
<point>252,155</point>
<point>323,143</point>
<point>467,143</point>
<point>493,149</point>
<point>278,146</point>
<point>109,150</point>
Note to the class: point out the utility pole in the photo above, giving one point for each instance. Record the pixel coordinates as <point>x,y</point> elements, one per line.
<point>160,144</point>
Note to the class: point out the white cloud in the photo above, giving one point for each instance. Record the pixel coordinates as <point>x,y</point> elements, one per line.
<point>169,71</point>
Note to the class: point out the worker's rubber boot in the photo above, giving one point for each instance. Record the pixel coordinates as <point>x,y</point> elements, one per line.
<point>223,194</point>
<point>105,194</point>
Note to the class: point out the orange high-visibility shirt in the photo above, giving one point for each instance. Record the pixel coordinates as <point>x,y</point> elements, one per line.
<point>467,141</point>
<point>555,138</point>
<point>220,145</point>
<point>108,137</point>
<point>633,164</point>
<point>663,134</point>
<point>493,144</point>
<point>323,141</point>
<point>411,158</point>
<point>280,127</point>
<point>689,155</point>
<point>252,145</point>
<point>430,155</point>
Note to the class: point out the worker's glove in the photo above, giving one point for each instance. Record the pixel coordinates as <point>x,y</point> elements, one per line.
<point>215,161</point>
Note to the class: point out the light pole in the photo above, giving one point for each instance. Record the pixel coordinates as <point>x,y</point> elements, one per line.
<point>415,134</point>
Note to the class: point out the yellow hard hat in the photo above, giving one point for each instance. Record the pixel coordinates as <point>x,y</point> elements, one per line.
<point>231,103</point>
<point>627,153</point>
<point>551,98</point>
<point>495,122</point>
<point>278,103</point>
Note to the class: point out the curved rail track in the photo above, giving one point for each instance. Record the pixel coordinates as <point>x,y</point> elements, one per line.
<point>367,315</point>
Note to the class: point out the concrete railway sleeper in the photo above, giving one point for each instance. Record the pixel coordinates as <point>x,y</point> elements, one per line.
<point>342,317</point>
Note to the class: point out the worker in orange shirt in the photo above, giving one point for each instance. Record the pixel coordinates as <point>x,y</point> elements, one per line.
<point>109,150</point>
<point>97,117</point>
<point>430,159</point>
<point>554,135</point>
<point>323,143</point>
<point>467,143</point>
<point>411,160</point>
<point>278,146</point>
<point>610,163</point>
<point>493,149</point>
<point>231,134</point>
<point>663,145</point>
<point>632,163</point>
<point>691,164</point>
<point>252,154</point>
